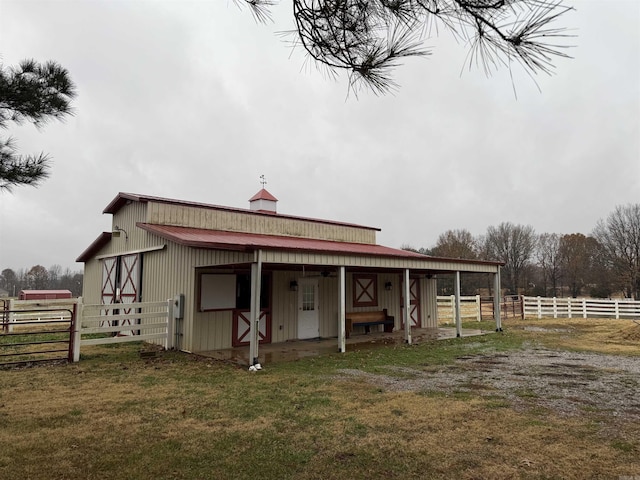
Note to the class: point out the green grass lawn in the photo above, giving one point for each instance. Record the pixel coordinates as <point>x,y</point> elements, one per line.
<point>116,415</point>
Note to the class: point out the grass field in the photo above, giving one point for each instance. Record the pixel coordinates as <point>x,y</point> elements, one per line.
<point>117,415</point>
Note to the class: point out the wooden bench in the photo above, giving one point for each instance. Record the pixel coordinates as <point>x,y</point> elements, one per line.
<point>368,319</point>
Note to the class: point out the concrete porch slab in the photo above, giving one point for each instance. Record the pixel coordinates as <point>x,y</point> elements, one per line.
<point>297,349</point>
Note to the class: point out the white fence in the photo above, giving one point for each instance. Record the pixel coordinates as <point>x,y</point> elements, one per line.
<point>540,307</point>
<point>94,324</point>
<point>40,311</point>
<point>123,322</point>
<point>469,308</point>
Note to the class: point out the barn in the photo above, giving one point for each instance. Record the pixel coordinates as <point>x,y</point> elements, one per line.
<point>255,276</point>
<point>44,294</point>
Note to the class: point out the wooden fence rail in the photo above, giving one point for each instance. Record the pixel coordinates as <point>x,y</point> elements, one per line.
<point>540,307</point>
<point>476,307</point>
<point>469,308</point>
<point>31,328</point>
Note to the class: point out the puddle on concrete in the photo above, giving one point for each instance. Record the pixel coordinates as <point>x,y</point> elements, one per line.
<point>298,349</point>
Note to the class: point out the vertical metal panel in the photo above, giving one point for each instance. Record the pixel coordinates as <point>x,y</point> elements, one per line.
<point>390,299</point>
<point>92,281</point>
<point>431,302</point>
<point>245,221</point>
<point>284,307</point>
<point>328,307</point>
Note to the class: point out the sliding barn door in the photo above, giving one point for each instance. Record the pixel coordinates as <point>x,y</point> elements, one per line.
<point>121,280</point>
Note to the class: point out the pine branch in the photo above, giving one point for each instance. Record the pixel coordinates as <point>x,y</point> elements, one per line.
<point>18,170</point>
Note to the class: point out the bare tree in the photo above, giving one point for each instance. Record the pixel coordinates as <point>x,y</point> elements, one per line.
<point>548,255</point>
<point>368,38</point>
<point>513,245</point>
<point>9,281</point>
<point>577,258</point>
<point>456,244</point>
<point>619,237</point>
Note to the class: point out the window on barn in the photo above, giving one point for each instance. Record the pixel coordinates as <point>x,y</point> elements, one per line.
<point>243,291</point>
<point>231,291</point>
<point>365,290</point>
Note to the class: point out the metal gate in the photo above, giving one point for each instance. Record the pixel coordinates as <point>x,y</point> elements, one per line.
<point>32,335</point>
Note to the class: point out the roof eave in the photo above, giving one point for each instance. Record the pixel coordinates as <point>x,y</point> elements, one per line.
<point>96,245</point>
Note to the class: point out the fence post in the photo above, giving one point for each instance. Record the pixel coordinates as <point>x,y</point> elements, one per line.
<point>617,308</point>
<point>478,307</point>
<point>569,307</point>
<point>584,308</point>
<point>12,315</point>
<point>76,330</point>
<point>453,308</point>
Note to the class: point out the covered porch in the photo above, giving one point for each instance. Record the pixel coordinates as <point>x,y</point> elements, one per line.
<point>409,271</point>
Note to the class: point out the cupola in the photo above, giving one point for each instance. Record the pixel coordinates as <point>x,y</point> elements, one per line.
<point>263,201</point>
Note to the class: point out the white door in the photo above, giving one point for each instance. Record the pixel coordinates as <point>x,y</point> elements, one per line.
<point>308,319</point>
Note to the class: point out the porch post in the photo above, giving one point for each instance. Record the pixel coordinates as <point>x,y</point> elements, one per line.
<point>254,315</point>
<point>496,300</point>
<point>458,313</point>
<point>342,342</point>
<point>407,307</point>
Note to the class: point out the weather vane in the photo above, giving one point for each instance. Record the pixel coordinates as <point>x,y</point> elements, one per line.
<point>263,182</point>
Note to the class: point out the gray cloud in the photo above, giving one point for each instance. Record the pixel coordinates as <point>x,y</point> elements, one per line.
<point>193,100</point>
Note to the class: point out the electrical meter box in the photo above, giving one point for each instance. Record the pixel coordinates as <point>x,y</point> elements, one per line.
<point>178,306</point>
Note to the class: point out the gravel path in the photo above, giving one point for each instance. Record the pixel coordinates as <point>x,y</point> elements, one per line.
<point>566,382</point>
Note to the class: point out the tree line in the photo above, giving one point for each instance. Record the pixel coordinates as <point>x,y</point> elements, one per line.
<point>604,263</point>
<point>41,278</point>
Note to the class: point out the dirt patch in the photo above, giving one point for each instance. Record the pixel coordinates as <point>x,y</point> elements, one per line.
<point>567,383</point>
<point>632,332</point>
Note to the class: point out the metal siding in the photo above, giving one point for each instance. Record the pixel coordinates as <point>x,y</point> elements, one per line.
<point>284,311</point>
<point>212,330</point>
<point>92,281</point>
<point>374,262</point>
<point>430,290</point>
<point>328,307</point>
<point>390,299</point>
<point>187,216</point>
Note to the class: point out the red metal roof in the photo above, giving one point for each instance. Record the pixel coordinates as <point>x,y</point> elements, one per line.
<point>263,195</point>
<point>201,238</point>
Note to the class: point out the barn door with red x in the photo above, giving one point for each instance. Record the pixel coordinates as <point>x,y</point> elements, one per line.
<point>109,285</point>
<point>414,302</point>
<point>129,289</point>
<point>241,327</point>
<point>121,286</point>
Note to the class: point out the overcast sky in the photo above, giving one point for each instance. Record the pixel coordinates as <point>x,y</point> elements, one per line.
<point>193,100</point>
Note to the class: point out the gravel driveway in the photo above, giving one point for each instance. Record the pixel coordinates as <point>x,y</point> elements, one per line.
<point>567,383</point>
